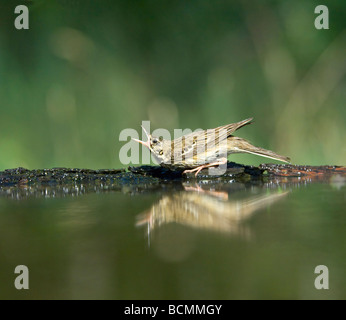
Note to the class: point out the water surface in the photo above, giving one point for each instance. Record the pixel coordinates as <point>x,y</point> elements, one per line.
<point>205,240</point>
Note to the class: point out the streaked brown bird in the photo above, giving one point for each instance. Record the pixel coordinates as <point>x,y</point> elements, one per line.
<point>202,149</point>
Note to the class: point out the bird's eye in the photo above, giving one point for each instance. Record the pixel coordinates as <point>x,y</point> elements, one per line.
<point>155,141</point>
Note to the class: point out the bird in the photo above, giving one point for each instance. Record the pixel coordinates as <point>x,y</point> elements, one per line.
<point>203,149</point>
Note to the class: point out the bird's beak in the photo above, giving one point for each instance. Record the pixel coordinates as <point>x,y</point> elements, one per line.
<point>145,143</point>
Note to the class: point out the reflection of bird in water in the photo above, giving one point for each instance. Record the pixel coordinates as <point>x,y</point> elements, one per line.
<point>206,209</point>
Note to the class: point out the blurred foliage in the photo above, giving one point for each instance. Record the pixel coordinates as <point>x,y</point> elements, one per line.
<point>85,70</point>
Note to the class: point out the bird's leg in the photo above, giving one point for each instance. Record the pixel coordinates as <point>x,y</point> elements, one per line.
<point>197,188</point>
<point>208,165</point>
<point>222,195</point>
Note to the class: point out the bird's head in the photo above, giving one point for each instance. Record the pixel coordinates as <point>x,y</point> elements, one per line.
<point>155,144</point>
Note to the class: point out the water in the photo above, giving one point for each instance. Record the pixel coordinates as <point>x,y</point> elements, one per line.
<point>258,240</point>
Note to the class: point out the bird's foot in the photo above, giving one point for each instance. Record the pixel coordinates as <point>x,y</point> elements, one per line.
<point>213,164</point>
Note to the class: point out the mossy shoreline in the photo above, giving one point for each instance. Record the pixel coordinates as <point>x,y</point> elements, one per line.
<point>154,174</point>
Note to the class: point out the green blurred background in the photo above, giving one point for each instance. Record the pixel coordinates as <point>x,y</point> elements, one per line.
<point>85,70</point>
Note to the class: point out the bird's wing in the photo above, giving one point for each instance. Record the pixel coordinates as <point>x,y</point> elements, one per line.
<point>193,143</point>
<point>225,131</point>
<point>186,146</point>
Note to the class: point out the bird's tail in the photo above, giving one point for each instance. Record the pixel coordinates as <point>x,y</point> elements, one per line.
<point>241,145</point>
